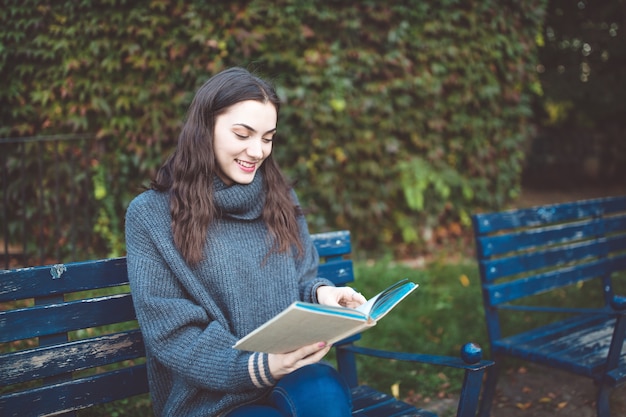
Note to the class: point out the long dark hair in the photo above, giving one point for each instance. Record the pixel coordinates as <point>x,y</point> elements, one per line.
<point>188,173</point>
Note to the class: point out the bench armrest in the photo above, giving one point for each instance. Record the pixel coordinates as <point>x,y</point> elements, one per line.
<point>619,303</point>
<point>470,360</point>
<point>471,357</point>
<point>547,309</point>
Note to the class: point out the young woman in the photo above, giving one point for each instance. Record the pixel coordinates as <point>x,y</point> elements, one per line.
<point>218,246</point>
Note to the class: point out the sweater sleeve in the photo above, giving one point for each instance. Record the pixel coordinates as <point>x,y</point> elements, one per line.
<point>181,335</point>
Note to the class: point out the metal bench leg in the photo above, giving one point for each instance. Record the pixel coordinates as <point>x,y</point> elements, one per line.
<point>602,401</point>
<point>489,392</point>
<point>468,403</point>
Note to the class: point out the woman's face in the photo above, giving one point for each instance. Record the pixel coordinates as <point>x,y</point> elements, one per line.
<point>243,140</point>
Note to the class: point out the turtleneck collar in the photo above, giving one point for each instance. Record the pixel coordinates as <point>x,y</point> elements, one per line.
<point>240,201</point>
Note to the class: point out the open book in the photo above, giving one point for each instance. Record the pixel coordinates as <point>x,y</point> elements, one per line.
<point>303,323</point>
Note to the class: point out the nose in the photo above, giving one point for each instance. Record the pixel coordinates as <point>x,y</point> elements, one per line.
<point>255,149</point>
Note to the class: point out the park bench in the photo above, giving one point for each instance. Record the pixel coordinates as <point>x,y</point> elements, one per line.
<point>531,253</point>
<point>52,362</point>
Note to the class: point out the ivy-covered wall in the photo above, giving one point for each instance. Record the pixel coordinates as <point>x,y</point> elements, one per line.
<point>399,118</point>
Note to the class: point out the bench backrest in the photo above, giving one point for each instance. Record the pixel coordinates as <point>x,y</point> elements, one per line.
<point>69,337</point>
<point>530,251</point>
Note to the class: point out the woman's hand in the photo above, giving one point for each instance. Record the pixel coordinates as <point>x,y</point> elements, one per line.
<point>282,364</point>
<point>339,296</point>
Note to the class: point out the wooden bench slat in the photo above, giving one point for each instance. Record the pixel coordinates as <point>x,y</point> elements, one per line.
<point>64,317</point>
<point>526,263</point>
<point>560,343</point>
<point>340,272</point>
<point>367,402</point>
<point>521,288</point>
<point>332,244</point>
<point>76,394</point>
<point>553,213</point>
<point>576,342</point>
<point>46,361</point>
<point>499,244</point>
<point>80,276</point>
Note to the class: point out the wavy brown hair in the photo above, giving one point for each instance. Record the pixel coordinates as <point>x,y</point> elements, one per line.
<point>188,173</point>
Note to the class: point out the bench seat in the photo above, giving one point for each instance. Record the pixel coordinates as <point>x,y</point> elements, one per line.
<point>367,402</point>
<point>578,344</point>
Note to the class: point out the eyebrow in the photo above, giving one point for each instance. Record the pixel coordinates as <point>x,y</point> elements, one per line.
<point>251,129</point>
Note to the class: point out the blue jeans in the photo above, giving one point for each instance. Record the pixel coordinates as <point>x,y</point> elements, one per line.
<point>312,391</point>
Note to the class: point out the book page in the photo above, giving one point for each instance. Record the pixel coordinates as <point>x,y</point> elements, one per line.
<point>298,326</point>
<point>379,305</point>
<point>388,300</point>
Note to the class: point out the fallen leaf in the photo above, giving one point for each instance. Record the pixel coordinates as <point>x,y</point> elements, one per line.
<point>524,406</point>
<point>395,390</point>
<point>464,280</point>
<point>526,390</point>
<point>545,400</point>
<point>562,405</point>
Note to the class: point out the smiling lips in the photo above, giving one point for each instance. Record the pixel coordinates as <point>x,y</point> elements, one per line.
<point>246,166</point>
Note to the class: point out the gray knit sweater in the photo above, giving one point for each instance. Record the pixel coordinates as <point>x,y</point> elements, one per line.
<point>191,317</point>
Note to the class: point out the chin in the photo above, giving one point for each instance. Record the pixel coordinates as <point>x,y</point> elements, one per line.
<point>243,179</point>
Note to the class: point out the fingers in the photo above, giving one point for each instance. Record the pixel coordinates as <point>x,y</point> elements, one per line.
<point>308,354</point>
<point>339,296</point>
<point>283,364</point>
<point>316,356</point>
<point>351,298</point>
<point>358,298</point>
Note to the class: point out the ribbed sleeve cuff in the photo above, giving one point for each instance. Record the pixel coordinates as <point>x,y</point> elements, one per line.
<point>259,370</point>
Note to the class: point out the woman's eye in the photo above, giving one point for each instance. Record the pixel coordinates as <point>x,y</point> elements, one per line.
<point>240,136</point>
<point>268,140</point>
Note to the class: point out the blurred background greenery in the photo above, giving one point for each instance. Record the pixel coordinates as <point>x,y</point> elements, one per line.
<point>400,118</point>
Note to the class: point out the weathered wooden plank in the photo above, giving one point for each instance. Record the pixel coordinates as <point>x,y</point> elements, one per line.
<point>578,344</point>
<point>332,243</point>
<point>552,213</point>
<point>76,394</point>
<point>368,402</point>
<point>527,262</point>
<point>340,272</point>
<point>53,360</point>
<point>509,291</point>
<point>60,318</point>
<point>520,240</point>
<point>39,281</point>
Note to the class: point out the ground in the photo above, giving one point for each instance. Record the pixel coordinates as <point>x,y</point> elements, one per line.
<point>537,391</point>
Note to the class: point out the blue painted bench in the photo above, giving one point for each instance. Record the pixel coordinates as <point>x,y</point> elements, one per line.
<point>53,363</point>
<point>527,252</point>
